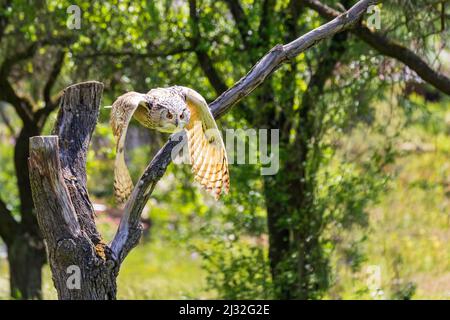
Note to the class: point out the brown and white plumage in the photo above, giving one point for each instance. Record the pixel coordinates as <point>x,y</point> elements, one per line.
<point>206,148</point>
<point>122,111</point>
<point>171,110</point>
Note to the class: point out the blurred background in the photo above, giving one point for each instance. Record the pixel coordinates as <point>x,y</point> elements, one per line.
<point>360,208</point>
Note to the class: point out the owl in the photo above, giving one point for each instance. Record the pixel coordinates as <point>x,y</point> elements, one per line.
<point>171,110</point>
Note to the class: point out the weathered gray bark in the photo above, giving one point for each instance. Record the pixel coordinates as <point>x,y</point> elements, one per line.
<point>65,214</point>
<point>57,167</point>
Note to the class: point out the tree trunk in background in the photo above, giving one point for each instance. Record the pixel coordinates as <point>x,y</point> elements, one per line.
<point>312,265</point>
<point>299,268</point>
<point>26,252</point>
<point>83,266</point>
<point>26,257</point>
<point>283,196</point>
<point>279,238</point>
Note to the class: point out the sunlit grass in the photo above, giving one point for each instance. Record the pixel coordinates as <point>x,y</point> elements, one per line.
<point>407,238</point>
<point>162,270</point>
<point>153,270</point>
<point>409,229</point>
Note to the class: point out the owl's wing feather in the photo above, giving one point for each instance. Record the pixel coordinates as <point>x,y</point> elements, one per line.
<point>206,148</point>
<point>121,113</point>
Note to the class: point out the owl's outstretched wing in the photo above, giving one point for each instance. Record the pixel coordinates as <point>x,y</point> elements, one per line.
<point>206,148</point>
<point>121,114</point>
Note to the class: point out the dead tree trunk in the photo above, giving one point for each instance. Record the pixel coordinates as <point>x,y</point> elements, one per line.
<point>83,266</point>
<point>26,256</point>
<point>64,211</point>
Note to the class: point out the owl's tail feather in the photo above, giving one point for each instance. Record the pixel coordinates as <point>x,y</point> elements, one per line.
<point>209,160</point>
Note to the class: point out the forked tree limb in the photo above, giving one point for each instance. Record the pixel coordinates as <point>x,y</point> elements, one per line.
<point>57,166</point>
<point>129,230</point>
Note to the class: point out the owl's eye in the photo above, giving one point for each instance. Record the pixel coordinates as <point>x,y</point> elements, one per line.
<point>182,116</point>
<point>169,116</point>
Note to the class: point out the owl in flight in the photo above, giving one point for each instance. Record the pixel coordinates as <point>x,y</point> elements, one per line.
<point>171,110</point>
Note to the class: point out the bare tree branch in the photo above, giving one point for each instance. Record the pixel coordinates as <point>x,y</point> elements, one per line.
<point>129,230</point>
<point>282,53</point>
<point>389,48</point>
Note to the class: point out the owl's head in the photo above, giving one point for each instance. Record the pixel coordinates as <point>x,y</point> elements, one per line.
<point>164,110</point>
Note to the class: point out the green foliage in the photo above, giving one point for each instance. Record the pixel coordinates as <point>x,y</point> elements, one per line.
<point>365,201</point>
<point>237,268</point>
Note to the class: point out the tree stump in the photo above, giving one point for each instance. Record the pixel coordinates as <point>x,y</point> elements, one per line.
<point>83,267</point>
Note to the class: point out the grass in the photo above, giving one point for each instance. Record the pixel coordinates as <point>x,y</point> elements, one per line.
<point>153,270</point>
<point>409,228</point>
<point>408,236</point>
<point>407,239</point>
<point>162,270</point>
